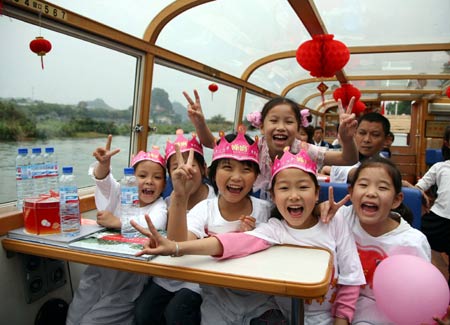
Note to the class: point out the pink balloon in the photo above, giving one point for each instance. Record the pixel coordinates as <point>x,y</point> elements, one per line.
<point>410,290</point>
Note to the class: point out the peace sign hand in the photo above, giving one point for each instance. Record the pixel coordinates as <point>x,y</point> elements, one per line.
<point>184,171</point>
<point>195,112</point>
<point>347,121</point>
<point>104,154</point>
<point>328,208</point>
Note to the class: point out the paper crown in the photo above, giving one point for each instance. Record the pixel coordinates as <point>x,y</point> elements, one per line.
<point>184,144</point>
<point>301,161</point>
<point>239,149</point>
<point>152,155</point>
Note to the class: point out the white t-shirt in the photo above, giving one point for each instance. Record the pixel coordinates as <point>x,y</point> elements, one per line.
<point>223,305</point>
<point>339,174</point>
<point>402,240</point>
<point>438,174</point>
<point>335,236</point>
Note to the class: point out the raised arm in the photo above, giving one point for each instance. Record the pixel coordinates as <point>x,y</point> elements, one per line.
<point>197,118</point>
<point>177,218</point>
<point>103,156</point>
<point>347,129</point>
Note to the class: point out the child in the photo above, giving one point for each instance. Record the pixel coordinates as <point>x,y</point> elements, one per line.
<point>436,222</point>
<point>375,191</point>
<point>279,123</point>
<point>295,191</point>
<point>232,173</point>
<point>106,296</point>
<point>167,301</point>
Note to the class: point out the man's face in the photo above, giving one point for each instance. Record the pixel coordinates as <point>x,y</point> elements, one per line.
<point>318,134</point>
<point>370,138</point>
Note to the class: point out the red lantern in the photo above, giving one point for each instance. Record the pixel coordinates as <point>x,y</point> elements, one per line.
<point>213,88</point>
<point>345,93</point>
<point>358,108</point>
<point>40,46</point>
<point>448,92</point>
<point>322,56</point>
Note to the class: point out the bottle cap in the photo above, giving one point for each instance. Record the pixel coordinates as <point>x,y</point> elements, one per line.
<point>22,151</point>
<point>67,170</point>
<point>49,149</point>
<point>36,150</point>
<point>128,171</point>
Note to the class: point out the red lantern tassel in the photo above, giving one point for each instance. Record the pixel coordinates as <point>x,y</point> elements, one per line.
<point>42,62</point>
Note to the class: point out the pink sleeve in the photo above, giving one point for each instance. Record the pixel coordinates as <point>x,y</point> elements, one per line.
<point>344,305</point>
<point>238,244</point>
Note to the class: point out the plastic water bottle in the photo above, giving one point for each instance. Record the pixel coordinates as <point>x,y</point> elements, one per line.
<point>38,172</point>
<point>69,204</point>
<point>23,177</point>
<point>129,202</point>
<point>51,168</point>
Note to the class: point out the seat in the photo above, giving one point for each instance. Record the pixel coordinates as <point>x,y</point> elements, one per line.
<point>412,198</point>
<point>433,156</point>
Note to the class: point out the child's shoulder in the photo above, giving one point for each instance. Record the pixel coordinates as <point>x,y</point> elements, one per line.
<point>260,202</point>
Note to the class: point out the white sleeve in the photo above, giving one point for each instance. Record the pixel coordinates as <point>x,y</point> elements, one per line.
<point>197,218</point>
<point>107,194</point>
<point>339,174</point>
<point>349,264</point>
<point>429,179</point>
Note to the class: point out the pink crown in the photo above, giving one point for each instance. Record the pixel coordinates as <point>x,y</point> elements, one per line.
<point>288,160</point>
<point>152,155</point>
<point>239,149</point>
<point>184,144</point>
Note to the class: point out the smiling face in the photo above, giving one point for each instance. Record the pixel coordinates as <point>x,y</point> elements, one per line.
<point>151,181</point>
<point>373,197</point>
<point>295,194</point>
<point>234,180</point>
<point>370,138</point>
<point>279,128</point>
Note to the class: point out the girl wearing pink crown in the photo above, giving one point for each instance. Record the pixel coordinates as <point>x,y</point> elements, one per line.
<point>280,121</point>
<point>168,301</point>
<point>295,192</point>
<point>106,296</point>
<point>232,173</point>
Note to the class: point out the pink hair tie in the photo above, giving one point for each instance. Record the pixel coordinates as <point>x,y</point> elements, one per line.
<point>255,119</point>
<point>305,113</point>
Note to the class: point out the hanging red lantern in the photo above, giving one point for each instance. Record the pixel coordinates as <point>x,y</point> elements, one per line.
<point>358,108</point>
<point>322,56</point>
<point>447,92</point>
<point>213,88</point>
<point>40,46</point>
<point>345,93</point>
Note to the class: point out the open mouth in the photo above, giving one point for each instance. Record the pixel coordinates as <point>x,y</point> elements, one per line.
<point>369,207</point>
<point>148,192</point>
<point>234,189</point>
<point>279,138</point>
<point>295,211</point>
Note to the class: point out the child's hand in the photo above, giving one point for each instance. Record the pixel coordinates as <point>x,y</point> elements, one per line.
<point>347,121</point>
<point>328,208</point>
<point>104,154</point>
<point>156,244</point>
<point>445,320</point>
<point>108,220</point>
<point>182,173</point>
<point>247,223</point>
<point>195,112</point>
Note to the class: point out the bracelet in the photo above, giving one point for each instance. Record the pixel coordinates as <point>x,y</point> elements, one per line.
<point>177,250</point>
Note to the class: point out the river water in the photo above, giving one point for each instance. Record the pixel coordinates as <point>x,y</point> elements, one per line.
<point>70,152</point>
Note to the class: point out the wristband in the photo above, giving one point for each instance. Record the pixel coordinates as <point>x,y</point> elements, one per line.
<point>177,250</point>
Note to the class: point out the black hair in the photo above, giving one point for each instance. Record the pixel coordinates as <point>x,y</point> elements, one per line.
<point>445,146</point>
<point>318,128</point>
<point>137,164</point>
<point>376,117</point>
<point>282,100</point>
<point>405,212</point>
<point>387,164</point>
<point>275,213</point>
<point>309,132</point>
<point>213,168</point>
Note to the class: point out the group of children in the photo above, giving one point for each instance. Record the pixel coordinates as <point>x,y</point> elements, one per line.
<point>222,217</point>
